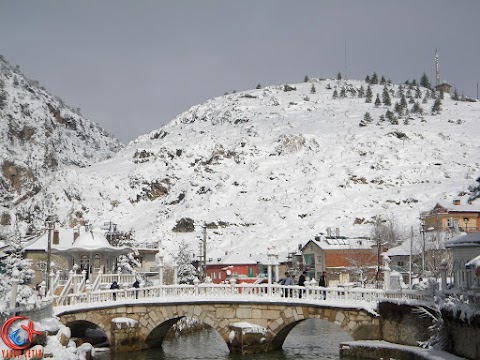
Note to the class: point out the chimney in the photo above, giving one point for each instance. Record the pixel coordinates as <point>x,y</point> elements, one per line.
<point>337,232</point>
<point>329,232</point>
<point>456,202</point>
<point>56,237</point>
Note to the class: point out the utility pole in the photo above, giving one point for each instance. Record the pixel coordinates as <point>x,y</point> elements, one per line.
<point>49,251</point>
<point>204,272</point>
<point>410,261</point>
<point>422,233</point>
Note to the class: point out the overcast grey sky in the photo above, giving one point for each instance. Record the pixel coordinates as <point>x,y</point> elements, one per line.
<point>131,66</point>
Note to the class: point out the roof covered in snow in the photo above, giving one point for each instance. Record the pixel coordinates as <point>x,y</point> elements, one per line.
<point>93,241</point>
<point>234,259</point>
<point>464,240</point>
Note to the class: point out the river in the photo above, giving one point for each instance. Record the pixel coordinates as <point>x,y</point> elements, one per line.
<point>311,339</point>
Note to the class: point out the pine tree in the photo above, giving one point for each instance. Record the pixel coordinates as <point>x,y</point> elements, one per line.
<point>343,93</point>
<point>411,100</point>
<point>414,82</point>
<point>403,101</point>
<point>382,118</point>
<point>339,76</point>
<point>258,86</point>
<point>335,94</point>
<point>367,79</point>
<point>378,102</point>
<point>455,95</point>
<point>425,82</point>
<point>306,79</point>
<point>400,91</point>
<point>361,92</point>
<point>382,80</point>
<point>437,106</point>
<point>186,271</point>
<point>15,266</point>
<point>440,95</point>
<point>3,95</point>
<point>368,98</point>
<point>313,90</point>
<point>418,93</point>
<point>386,97</point>
<point>374,78</point>
<point>389,115</point>
<point>367,118</point>
<point>398,109</point>
<point>417,109</point>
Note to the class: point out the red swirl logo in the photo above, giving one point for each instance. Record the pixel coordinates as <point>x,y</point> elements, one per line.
<point>12,339</point>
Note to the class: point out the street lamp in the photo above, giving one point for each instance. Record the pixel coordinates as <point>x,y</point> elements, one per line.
<point>50,221</point>
<point>422,233</point>
<point>203,251</point>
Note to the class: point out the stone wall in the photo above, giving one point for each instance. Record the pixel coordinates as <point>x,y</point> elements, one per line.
<point>463,337</point>
<point>400,325</point>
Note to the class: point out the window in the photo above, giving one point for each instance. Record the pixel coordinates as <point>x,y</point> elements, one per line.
<point>84,262</point>
<point>309,260</point>
<point>401,263</point>
<point>96,261</point>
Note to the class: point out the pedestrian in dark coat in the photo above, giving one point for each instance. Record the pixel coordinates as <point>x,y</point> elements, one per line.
<point>114,286</point>
<point>323,282</point>
<point>136,285</point>
<point>301,282</point>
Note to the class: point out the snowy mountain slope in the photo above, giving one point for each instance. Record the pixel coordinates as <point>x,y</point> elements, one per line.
<point>270,167</point>
<point>39,134</point>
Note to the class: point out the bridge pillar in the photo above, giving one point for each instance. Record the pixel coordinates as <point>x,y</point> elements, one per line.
<point>246,339</point>
<point>125,335</point>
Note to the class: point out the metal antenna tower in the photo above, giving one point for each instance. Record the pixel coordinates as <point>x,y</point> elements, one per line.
<point>437,71</point>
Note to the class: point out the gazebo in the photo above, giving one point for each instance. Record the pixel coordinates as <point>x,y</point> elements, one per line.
<point>92,252</point>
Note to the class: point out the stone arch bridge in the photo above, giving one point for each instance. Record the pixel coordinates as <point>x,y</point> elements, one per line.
<point>246,327</point>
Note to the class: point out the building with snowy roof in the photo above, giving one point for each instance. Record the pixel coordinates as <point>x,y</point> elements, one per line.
<point>453,217</point>
<point>88,249</point>
<point>465,249</point>
<point>233,265</point>
<point>345,259</point>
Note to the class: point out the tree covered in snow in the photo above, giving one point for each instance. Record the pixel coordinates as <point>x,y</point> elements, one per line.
<point>186,271</point>
<point>14,266</point>
<point>474,190</point>
<point>128,262</point>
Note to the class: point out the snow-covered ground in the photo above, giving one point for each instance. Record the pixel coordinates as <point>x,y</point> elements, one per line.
<point>275,168</point>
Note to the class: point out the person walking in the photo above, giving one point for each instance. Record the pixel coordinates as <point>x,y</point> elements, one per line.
<point>301,282</point>
<point>288,282</point>
<point>136,285</point>
<point>114,286</point>
<point>323,282</point>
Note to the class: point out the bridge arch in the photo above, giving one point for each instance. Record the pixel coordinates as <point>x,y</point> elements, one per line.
<point>151,322</point>
<point>89,332</point>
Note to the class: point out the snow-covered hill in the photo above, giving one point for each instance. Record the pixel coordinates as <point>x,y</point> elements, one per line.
<point>39,135</point>
<point>277,166</point>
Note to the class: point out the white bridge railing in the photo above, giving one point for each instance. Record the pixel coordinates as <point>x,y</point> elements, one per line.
<point>250,292</point>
